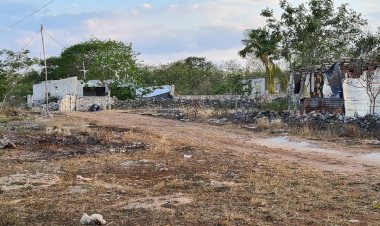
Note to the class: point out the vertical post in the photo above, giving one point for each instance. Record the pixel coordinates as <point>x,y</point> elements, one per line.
<point>46,80</point>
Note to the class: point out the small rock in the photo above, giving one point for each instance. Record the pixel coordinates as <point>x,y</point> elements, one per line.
<point>354,221</point>
<point>6,144</point>
<point>94,219</point>
<point>187,156</point>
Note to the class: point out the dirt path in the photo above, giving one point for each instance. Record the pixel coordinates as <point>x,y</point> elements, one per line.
<point>317,155</point>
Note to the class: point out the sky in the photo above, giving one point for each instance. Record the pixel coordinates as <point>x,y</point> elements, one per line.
<point>161,31</point>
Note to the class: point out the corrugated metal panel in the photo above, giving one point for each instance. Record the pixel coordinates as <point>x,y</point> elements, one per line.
<point>323,105</point>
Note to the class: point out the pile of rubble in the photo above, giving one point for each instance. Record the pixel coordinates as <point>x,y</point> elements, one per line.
<point>366,124</point>
<point>178,102</point>
<point>170,113</point>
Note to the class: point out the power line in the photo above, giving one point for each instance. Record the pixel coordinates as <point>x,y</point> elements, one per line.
<point>28,42</point>
<point>25,17</point>
<point>55,40</point>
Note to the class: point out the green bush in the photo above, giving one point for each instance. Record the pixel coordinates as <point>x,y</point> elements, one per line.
<point>123,93</point>
<point>279,104</point>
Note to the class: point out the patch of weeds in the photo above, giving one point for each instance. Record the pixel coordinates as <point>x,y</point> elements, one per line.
<point>376,206</point>
<point>279,104</point>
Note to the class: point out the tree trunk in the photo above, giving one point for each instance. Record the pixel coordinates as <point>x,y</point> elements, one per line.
<point>5,98</point>
<point>269,66</point>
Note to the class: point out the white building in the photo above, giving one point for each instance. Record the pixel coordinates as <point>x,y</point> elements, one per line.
<point>68,86</point>
<point>259,86</point>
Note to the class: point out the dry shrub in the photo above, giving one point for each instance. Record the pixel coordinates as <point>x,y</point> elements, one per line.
<point>62,126</point>
<point>192,112</point>
<point>105,136</point>
<point>257,202</point>
<point>277,124</point>
<point>10,111</point>
<point>350,131</point>
<point>263,123</point>
<point>305,130</point>
<point>162,145</point>
<point>70,173</point>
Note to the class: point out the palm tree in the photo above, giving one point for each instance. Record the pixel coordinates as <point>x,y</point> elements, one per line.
<point>264,45</point>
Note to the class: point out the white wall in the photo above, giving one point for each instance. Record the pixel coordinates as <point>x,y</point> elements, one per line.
<point>57,88</point>
<point>258,86</point>
<point>356,99</point>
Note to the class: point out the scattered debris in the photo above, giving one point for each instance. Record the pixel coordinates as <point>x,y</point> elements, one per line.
<point>95,107</point>
<point>53,106</point>
<point>94,219</point>
<point>221,121</point>
<point>6,144</point>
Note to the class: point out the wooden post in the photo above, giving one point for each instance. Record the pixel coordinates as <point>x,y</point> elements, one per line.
<point>46,79</point>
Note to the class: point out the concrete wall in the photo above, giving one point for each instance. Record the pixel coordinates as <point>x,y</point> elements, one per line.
<point>57,88</point>
<point>61,88</point>
<point>258,86</point>
<point>85,103</point>
<point>68,103</point>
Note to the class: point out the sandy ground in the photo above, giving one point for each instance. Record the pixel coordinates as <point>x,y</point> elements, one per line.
<point>320,155</point>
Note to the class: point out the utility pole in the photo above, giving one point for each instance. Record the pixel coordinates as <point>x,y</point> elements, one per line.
<point>46,79</point>
<point>84,71</point>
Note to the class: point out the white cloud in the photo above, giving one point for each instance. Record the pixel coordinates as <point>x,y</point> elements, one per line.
<point>173,6</point>
<point>212,28</point>
<point>147,6</point>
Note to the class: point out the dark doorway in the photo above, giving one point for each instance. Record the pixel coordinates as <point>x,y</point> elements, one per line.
<point>94,91</point>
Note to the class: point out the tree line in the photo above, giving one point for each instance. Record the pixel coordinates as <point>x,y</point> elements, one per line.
<point>304,35</point>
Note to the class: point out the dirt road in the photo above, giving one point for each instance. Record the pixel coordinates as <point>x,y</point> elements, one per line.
<point>314,154</point>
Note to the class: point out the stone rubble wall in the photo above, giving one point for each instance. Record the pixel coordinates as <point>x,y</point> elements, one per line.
<point>85,103</point>
<point>221,102</point>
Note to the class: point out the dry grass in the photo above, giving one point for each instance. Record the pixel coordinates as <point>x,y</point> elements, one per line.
<point>225,188</point>
<point>277,124</point>
<point>263,123</point>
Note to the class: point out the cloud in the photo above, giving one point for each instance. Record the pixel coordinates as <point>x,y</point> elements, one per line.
<point>147,6</point>
<point>212,28</point>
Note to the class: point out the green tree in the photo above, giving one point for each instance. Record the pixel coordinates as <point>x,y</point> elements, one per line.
<point>368,46</point>
<point>103,60</point>
<point>315,32</point>
<point>234,80</point>
<point>191,76</point>
<point>14,67</point>
<point>263,43</point>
